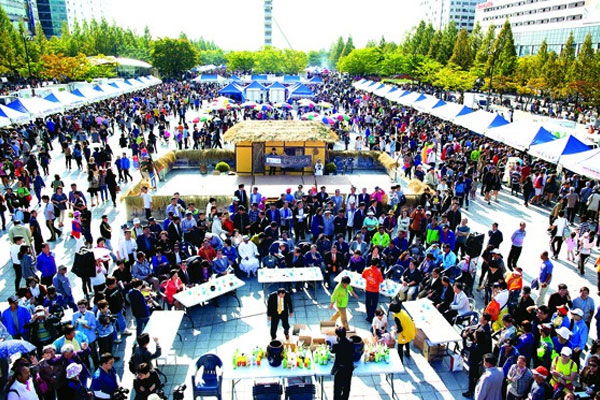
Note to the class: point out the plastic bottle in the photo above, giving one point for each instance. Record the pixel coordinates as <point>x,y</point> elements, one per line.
<point>235,356</point>
<point>285,363</point>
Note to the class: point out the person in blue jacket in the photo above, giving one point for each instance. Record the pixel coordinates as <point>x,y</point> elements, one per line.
<point>105,380</point>
<point>448,236</point>
<point>15,317</point>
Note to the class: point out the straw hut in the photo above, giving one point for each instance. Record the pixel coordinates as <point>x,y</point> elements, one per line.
<point>294,139</point>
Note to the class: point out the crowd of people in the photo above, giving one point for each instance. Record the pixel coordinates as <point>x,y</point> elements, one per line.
<point>515,346</point>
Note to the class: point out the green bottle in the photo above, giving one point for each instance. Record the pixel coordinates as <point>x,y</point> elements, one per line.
<point>285,363</point>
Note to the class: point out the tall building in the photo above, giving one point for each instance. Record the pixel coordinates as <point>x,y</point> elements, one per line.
<point>268,22</point>
<point>87,10</point>
<point>16,10</point>
<point>440,12</point>
<point>52,14</point>
<point>532,21</point>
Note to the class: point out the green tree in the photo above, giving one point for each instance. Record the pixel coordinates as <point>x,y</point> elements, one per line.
<point>361,61</point>
<point>240,60</point>
<point>348,47</point>
<point>318,58</point>
<point>295,61</point>
<point>173,56</point>
<point>483,53</point>
<point>336,52</point>
<point>462,55</point>
<point>427,70</point>
<point>475,39</point>
<point>434,46</point>
<point>451,77</point>
<point>542,56</point>
<point>269,60</point>
<point>504,51</point>
<point>449,36</point>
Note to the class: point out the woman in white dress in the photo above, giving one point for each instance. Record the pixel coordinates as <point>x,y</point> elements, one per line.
<point>319,168</point>
<point>248,256</point>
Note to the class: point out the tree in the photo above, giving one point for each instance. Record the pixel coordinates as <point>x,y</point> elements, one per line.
<point>475,39</point>
<point>448,39</point>
<point>11,49</point>
<point>336,52</point>
<point>318,58</point>
<point>294,61</point>
<point>172,57</point>
<point>348,47</point>
<point>269,60</point>
<point>452,77</point>
<point>427,70</point>
<point>361,61</point>
<point>484,51</point>
<point>240,60</point>
<point>396,62</point>
<point>434,46</point>
<point>504,51</point>
<point>462,55</point>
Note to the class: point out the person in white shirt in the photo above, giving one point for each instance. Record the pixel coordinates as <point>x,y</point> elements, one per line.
<point>127,248</point>
<point>23,387</point>
<point>559,227</point>
<point>147,200</point>
<point>248,254</point>
<point>319,168</point>
<point>460,305</point>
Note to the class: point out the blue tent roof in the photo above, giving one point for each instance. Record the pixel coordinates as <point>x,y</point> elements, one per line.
<point>110,84</point>
<point>77,92</point>
<point>208,78</point>
<point>406,92</point>
<point>372,83</point>
<point>276,85</point>
<point>3,114</point>
<point>316,79</point>
<point>52,97</point>
<point>464,111</point>
<point>498,121</point>
<point>291,78</point>
<point>139,80</point>
<point>127,82</point>
<point>255,85</point>
<point>438,104</point>
<point>262,78</point>
<point>421,98</point>
<point>542,136</point>
<point>393,89</point>
<point>302,90</point>
<point>235,78</point>
<point>18,105</point>
<point>232,88</point>
<point>574,145</point>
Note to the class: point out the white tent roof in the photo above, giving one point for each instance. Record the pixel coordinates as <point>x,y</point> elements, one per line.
<point>383,91</point>
<point>589,167</point>
<point>409,99</point>
<point>91,94</point>
<point>4,122</point>
<point>518,134</point>
<point>549,151</point>
<point>477,121</point>
<point>427,104</point>
<point>14,115</point>
<point>40,107</point>
<point>69,99</point>
<point>392,95</point>
<point>574,162</point>
<point>448,111</point>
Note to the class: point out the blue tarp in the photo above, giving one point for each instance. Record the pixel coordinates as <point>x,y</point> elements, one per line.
<point>18,105</point>
<point>232,88</point>
<point>438,104</point>
<point>498,121</point>
<point>255,85</point>
<point>464,111</point>
<point>302,90</point>
<point>406,92</point>
<point>291,78</point>
<point>421,98</point>
<point>277,85</point>
<point>542,136</point>
<point>261,78</point>
<point>235,78</point>
<point>51,97</point>
<point>208,78</point>
<point>574,145</point>
<point>110,84</point>
<point>315,79</point>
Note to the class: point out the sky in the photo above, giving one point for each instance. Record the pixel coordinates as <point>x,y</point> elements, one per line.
<point>238,24</point>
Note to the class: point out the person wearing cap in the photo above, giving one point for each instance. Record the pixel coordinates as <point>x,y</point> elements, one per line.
<point>586,304</point>
<point>508,354</point>
<point>520,311</point>
<point>540,389</point>
<point>15,318</point>
<point>73,387</point>
<point>489,386</point>
<point>564,371</point>
<point>371,223</point>
<point>41,330</point>
<point>561,340</point>
<point>579,333</point>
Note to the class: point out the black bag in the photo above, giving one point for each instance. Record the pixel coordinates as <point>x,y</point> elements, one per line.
<point>132,364</point>
<point>84,264</point>
<point>474,244</point>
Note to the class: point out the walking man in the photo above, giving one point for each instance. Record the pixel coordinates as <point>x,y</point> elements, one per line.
<point>544,277</point>
<point>517,239</point>
<point>339,298</point>
<point>279,308</point>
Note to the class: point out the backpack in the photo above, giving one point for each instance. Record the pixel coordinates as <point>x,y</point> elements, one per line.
<point>132,364</point>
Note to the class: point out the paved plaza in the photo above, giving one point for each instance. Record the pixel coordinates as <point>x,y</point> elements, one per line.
<point>224,328</point>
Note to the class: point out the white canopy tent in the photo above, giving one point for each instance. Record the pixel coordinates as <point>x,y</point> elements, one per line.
<point>14,115</point>
<point>552,151</point>
<point>37,107</point>
<point>91,94</point>
<point>518,135</point>
<point>4,122</point>
<point>427,104</point>
<point>409,99</point>
<point>575,162</point>
<point>589,167</point>
<point>478,121</point>
<point>448,111</point>
<point>67,99</point>
<point>383,91</point>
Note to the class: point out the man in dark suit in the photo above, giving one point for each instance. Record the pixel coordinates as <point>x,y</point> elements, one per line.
<point>445,297</point>
<point>260,224</point>
<point>432,287</point>
<point>146,242</point>
<point>334,262</point>
<point>279,308</point>
<point>273,214</point>
<point>295,259</point>
<point>184,274</point>
<point>301,215</point>
<point>174,230</point>
<point>241,221</point>
<point>343,365</point>
<point>242,195</point>
<point>364,197</point>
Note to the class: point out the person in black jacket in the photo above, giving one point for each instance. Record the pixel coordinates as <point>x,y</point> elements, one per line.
<point>142,355</point>
<point>116,303</point>
<point>476,352</point>
<point>334,263</point>
<point>279,308</point>
<point>241,221</point>
<point>146,382</point>
<point>446,296</point>
<point>139,305</point>
<point>342,366</point>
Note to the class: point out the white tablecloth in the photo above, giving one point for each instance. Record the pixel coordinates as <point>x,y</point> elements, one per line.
<point>164,326</point>
<point>277,275</point>
<point>198,294</point>
<point>367,369</point>
<point>431,322</point>
<point>387,287</point>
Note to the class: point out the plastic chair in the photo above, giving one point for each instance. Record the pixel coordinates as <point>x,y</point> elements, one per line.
<point>301,391</point>
<point>267,391</point>
<point>211,382</point>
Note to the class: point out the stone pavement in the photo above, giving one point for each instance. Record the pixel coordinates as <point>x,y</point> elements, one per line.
<point>227,327</point>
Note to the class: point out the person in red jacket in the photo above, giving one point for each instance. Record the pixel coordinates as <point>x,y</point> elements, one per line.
<point>373,278</point>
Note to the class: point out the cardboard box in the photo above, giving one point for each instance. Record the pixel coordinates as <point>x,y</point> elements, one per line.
<point>429,352</point>
<point>305,339</point>
<point>327,328</point>
<point>297,328</point>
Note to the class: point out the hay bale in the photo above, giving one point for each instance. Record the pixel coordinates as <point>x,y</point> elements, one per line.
<point>280,131</point>
<point>416,186</point>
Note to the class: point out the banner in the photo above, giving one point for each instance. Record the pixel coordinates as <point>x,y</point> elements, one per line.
<point>288,161</point>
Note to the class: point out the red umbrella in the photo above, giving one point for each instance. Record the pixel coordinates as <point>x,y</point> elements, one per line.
<point>196,120</point>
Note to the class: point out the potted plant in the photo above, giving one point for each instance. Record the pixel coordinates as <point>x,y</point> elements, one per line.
<point>222,167</point>
<point>330,168</point>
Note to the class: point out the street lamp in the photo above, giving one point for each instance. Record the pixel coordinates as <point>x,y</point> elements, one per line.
<point>27,38</point>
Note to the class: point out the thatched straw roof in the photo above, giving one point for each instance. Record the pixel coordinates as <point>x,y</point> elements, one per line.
<point>284,131</point>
